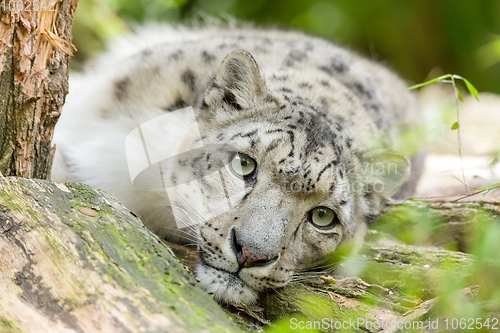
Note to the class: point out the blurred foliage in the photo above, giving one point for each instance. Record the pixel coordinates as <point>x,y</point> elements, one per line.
<point>470,290</point>
<point>414,37</point>
<point>415,282</point>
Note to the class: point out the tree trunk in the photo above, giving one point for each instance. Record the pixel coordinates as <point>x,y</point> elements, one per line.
<point>35,51</point>
<point>73,259</point>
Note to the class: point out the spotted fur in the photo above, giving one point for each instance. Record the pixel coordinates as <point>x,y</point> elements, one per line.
<point>310,113</point>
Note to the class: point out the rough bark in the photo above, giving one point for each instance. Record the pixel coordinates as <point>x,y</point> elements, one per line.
<point>35,51</point>
<point>73,259</point>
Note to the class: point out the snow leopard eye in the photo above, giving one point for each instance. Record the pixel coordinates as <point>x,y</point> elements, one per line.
<point>243,165</point>
<point>322,217</point>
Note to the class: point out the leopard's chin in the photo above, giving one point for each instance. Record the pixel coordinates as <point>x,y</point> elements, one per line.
<point>225,287</point>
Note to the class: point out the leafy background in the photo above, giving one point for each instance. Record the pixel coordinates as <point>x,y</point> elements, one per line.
<point>420,39</point>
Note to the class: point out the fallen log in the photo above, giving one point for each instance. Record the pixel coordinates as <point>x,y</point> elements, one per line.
<point>73,259</point>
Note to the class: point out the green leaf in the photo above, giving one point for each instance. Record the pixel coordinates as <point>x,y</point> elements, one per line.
<point>489,187</point>
<point>455,126</point>
<point>472,89</point>
<point>443,77</point>
<point>469,85</point>
<point>448,78</point>
<point>459,95</point>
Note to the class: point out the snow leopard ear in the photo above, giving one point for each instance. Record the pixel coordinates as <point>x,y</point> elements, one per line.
<point>385,172</point>
<point>238,83</point>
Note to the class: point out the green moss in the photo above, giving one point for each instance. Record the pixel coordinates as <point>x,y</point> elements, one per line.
<point>6,326</point>
<point>8,197</point>
<point>140,265</point>
<point>82,193</point>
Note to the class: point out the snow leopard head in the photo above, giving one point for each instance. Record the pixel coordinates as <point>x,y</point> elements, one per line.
<point>287,188</point>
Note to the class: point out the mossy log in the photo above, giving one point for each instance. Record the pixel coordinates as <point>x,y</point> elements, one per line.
<point>448,224</point>
<point>73,259</point>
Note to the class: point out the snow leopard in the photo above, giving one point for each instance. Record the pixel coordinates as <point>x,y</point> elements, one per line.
<point>298,124</point>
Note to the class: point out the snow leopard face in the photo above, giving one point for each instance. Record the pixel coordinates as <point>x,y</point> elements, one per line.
<point>286,192</point>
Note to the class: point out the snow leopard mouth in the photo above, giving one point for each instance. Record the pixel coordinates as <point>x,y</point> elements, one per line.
<point>224,286</point>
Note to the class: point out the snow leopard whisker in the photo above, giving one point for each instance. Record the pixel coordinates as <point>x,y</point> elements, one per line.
<point>187,225</point>
<point>276,291</point>
<point>202,219</point>
<point>191,230</point>
<point>194,222</point>
<point>193,226</point>
<point>304,278</point>
<point>186,236</point>
<point>300,276</point>
<point>318,268</point>
<point>315,272</point>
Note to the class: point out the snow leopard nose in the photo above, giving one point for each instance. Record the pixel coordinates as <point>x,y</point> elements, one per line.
<point>245,257</point>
